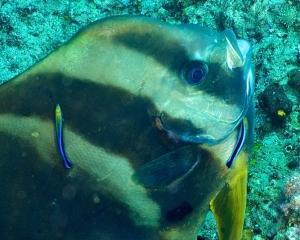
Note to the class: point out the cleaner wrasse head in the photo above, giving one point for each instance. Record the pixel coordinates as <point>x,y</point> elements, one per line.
<point>155,127</point>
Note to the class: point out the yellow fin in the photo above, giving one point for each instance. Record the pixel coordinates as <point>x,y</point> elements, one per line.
<point>229,205</point>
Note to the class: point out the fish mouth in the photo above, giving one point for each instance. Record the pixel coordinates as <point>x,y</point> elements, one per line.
<point>171,134</point>
<point>178,136</point>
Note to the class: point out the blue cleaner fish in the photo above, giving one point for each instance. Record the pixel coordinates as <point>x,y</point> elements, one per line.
<point>238,146</point>
<point>160,131</point>
<point>59,136</point>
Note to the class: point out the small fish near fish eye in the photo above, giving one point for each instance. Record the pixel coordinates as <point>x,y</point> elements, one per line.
<point>195,72</point>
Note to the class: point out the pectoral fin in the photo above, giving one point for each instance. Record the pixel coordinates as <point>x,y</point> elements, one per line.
<point>168,168</point>
<point>229,205</point>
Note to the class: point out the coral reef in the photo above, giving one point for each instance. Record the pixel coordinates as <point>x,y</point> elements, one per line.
<point>294,79</point>
<point>291,209</point>
<point>275,102</point>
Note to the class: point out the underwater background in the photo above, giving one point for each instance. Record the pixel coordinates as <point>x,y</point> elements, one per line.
<point>30,30</point>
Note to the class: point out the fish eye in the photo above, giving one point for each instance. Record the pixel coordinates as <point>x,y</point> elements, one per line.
<point>195,72</point>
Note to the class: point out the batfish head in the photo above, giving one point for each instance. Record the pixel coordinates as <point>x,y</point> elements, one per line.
<point>205,93</point>
<point>197,80</point>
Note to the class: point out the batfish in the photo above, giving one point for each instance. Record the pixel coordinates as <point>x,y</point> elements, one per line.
<point>133,129</point>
